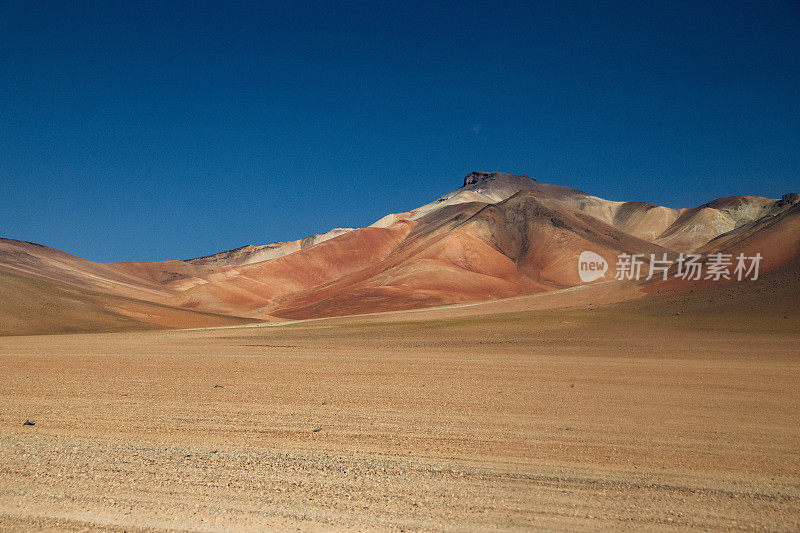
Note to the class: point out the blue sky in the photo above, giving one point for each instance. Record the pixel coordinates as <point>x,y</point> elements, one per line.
<point>163,130</point>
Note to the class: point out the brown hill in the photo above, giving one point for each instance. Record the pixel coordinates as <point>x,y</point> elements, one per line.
<point>517,246</point>
<point>37,261</point>
<point>33,306</point>
<point>498,236</point>
<point>246,290</point>
<point>249,254</point>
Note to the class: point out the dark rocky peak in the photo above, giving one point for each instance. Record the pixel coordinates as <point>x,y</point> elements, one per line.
<point>485,178</point>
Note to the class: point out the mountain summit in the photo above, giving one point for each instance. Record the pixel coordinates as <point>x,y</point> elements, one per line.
<point>497,182</point>
<point>480,177</point>
<point>497,186</point>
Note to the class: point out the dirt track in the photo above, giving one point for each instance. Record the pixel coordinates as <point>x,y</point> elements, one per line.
<point>571,420</point>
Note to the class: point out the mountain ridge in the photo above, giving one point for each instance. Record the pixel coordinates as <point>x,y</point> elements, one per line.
<point>497,236</point>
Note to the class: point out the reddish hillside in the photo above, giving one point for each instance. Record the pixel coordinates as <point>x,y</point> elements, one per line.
<point>498,236</point>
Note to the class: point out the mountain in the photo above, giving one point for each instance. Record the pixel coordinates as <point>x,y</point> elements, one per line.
<point>31,305</point>
<point>497,236</point>
<point>44,263</point>
<point>248,254</point>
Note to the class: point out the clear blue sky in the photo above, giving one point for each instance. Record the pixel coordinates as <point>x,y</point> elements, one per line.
<point>159,130</point>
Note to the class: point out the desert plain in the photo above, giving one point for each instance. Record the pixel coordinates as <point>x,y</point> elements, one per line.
<point>595,416</point>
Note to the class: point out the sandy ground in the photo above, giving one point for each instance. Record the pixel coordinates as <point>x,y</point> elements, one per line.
<point>537,420</point>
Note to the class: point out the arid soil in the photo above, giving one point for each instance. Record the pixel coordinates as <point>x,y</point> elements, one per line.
<point>584,419</point>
